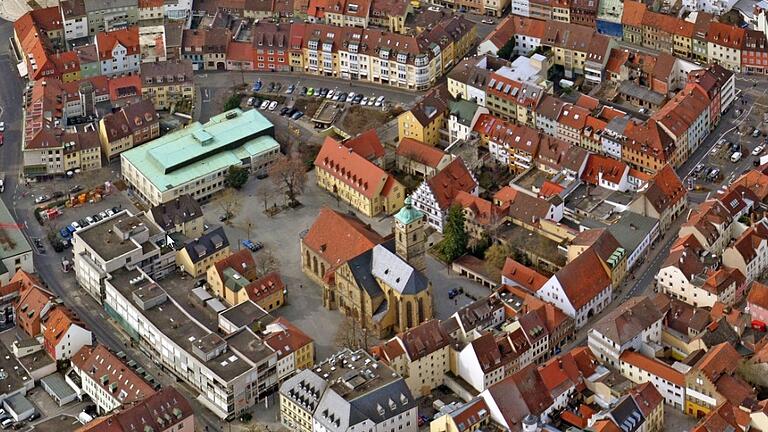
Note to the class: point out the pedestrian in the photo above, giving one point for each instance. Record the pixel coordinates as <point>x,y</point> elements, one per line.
<point>301,286</point>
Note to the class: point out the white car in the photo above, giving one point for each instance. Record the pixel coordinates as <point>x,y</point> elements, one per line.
<point>759,149</point>
<point>487,21</point>
<point>433,9</point>
<point>351,96</point>
<point>379,101</point>
<point>75,225</point>
<point>272,105</point>
<point>364,101</point>
<point>330,94</point>
<point>2,126</point>
<point>371,101</point>
<point>110,212</point>
<point>264,105</point>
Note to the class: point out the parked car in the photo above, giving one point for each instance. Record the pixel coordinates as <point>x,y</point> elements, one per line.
<point>57,194</point>
<point>2,138</point>
<point>697,171</point>
<point>371,100</point>
<point>291,89</point>
<point>103,214</point>
<point>76,226</point>
<point>65,232</point>
<point>271,87</point>
<point>109,212</point>
<point>310,91</point>
<point>714,174</point>
<point>42,199</point>
<point>379,101</point>
<point>297,115</point>
<point>324,92</point>
<point>358,99</point>
<point>488,21</point>
<point>83,223</point>
<point>6,423</point>
<point>756,133</point>
<point>330,94</point>
<point>284,111</point>
<point>251,100</point>
<point>257,86</point>
<point>759,149</point>
<point>252,245</point>
<point>2,126</point>
<point>115,210</point>
<point>364,101</point>
<point>278,86</point>
<point>272,105</point>
<point>351,96</point>
<point>75,189</point>
<point>224,218</point>
<point>264,104</point>
<point>453,293</point>
<point>96,218</point>
<point>735,157</point>
<point>342,97</point>
<point>304,91</point>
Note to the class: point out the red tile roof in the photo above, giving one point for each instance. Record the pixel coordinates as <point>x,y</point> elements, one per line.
<point>726,35</point>
<point>452,179</point>
<point>57,322</point>
<point>338,237</point>
<point>128,38</point>
<point>486,213</point>
<point>748,243</point>
<point>357,172</point>
<point>98,362</point>
<point>584,278</point>
<point>366,144</point>
<point>420,152</point>
<point>722,279</point>
<point>612,170</point>
<point>758,295</point>
<point>720,360</point>
<point>633,13</point>
<point>285,338</point>
<point>240,52</point>
<point>654,367</point>
<point>265,286</point>
<point>523,276</point>
<point>665,189</point>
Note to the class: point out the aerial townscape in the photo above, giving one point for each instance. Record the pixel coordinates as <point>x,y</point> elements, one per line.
<point>384,215</point>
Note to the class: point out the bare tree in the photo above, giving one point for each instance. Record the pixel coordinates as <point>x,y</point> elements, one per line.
<point>265,194</point>
<point>265,262</point>
<point>229,202</point>
<point>352,334</point>
<point>290,174</point>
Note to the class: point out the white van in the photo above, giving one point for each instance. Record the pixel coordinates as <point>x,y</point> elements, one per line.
<point>736,157</point>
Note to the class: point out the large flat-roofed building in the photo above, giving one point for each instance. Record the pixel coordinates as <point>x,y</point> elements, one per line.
<point>232,372</point>
<point>15,250</point>
<point>195,160</point>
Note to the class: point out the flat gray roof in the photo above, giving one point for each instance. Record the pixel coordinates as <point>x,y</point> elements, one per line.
<point>177,325</point>
<point>58,386</point>
<point>18,404</point>
<point>101,236</point>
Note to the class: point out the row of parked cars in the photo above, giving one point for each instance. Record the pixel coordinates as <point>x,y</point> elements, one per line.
<point>272,105</point>
<point>75,226</point>
<point>351,98</point>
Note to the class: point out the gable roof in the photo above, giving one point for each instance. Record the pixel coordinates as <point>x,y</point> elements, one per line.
<point>107,370</point>
<point>584,278</point>
<point>352,169</point>
<point>523,276</point>
<point>57,322</point>
<point>367,144</point>
<point>210,243</point>
<point>160,411</point>
<point>424,339</point>
<point>418,151</point>
<point>654,367</point>
<point>758,294</point>
<point>629,320</point>
<point>722,359</point>
<point>338,237</point>
<point>127,37</point>
<point>447,183</point>
<point>176,212</point>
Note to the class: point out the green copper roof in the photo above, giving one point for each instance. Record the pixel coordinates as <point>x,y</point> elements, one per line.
<point>408,214</point>
<point>200,149</point>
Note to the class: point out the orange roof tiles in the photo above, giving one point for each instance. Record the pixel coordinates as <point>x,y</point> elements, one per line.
<point>265,286</point>
<point>420,152</point>
<point>523,276</point>
<point>366,144</point>
<point>584,278</point>
<point>337,237</point>
<point>57,321</point>
<point>612,170</point>
<point>654,367</point>
<point>726,35</point>
<point>98,362</point>
<point>240,52</point>
<point>720,360</point>
<point>666,189</point>
<point>288,339</point>
<point>446,184</point>
<point>352,169</point>
<point>128,38</point>
<point>486,213</point>
<point>758,295</point>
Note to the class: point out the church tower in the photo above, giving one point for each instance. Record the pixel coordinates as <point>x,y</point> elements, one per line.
<point>410,235</point>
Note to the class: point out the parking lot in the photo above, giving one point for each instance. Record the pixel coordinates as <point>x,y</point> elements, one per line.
<point>736,150</point>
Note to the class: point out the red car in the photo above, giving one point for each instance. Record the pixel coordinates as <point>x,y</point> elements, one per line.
<point>2,138</point>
